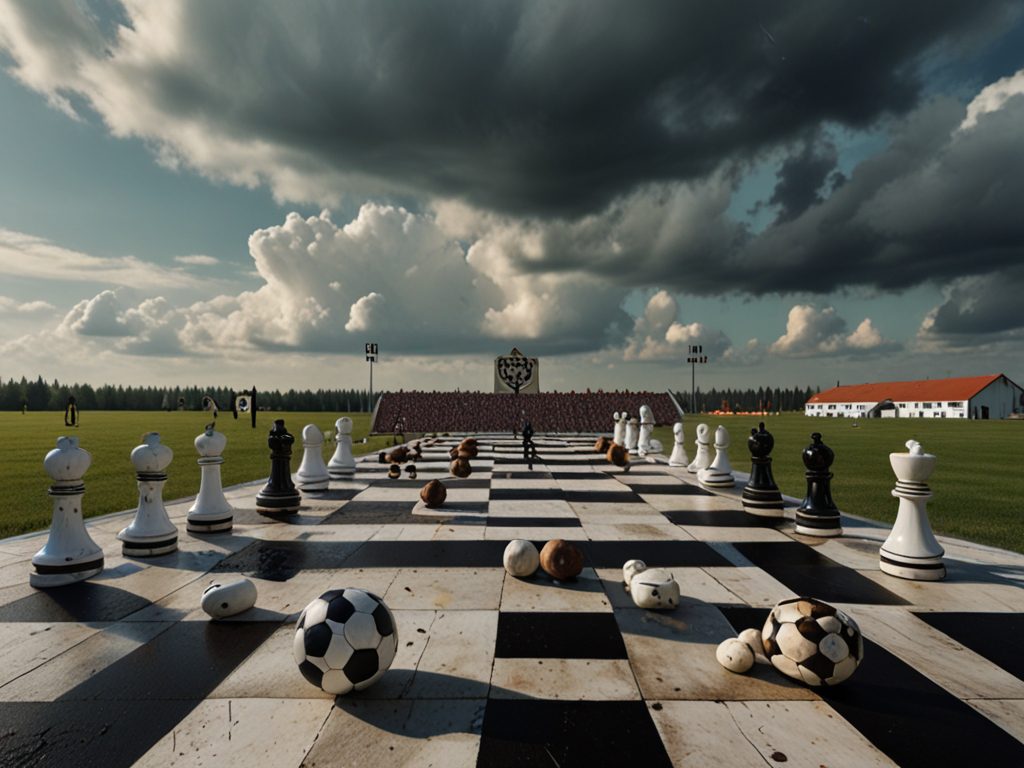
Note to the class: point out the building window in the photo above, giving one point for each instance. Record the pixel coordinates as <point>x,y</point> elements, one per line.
<point>956,405</point>
<point>927,405</point>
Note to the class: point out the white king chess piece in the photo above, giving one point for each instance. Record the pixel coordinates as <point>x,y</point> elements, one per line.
<point>911,551</point>
<point>151,533</point>
<point>342,464</point>
<point>211,512</point>
<point>619,435</point>
<point>312,475</point>
<point>719,472</point>
<point>702,459</point>
<point>643,446</point>
<point>69,554</point>
<point>678,457</point>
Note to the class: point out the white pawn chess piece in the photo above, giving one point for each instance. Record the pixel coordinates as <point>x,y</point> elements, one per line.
<point>151,533</point>
<point>632,435</point>
<point>643,443</point>
<point>619,435</point>
<point>312,475</point>
<point>69,554</point>
<point>342,463</point>
<point>911,551</point>
<point>678,457</point>
<point>719,472</point>
<point>211,512</point>
<point>702,459</point>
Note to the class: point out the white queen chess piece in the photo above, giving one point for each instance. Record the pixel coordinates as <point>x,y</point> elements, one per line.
<point>643,446</point>
<point>151,533</point>
<point>69,554</point>
<point>211,512</point>
<point>312,475</point>
<point>911,551</point>
<point>678,457</point>
<point>702,459</point>
<point>632,434</point>
<point>342,464</point>
<point>719,472</point>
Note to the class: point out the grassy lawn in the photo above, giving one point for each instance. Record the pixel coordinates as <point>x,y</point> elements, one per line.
<point>110,437</point>
<point>978,484</point>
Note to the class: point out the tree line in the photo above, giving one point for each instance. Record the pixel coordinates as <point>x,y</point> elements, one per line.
<point>40,395</point>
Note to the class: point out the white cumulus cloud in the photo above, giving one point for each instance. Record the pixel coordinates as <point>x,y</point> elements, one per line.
<point>812,331</point>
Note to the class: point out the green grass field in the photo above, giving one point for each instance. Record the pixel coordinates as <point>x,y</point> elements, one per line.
<point>977,483</point>
<point>110,437</point>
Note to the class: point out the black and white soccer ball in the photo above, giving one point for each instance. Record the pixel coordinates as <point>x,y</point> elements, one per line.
<point>812,642</point>
<point>345,640</point>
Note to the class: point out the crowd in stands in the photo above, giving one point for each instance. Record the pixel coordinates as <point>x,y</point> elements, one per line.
<point>487,412</point>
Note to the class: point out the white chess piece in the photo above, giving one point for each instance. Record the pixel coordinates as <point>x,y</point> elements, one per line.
<point>654,588</point>
<point>312,475</point>
<point>342,463</point>
<point>69,554</point>
<point>678,457</point>
<point>703,457</point>
<point>643,446</point>
<point>719,472</point>
<point>151,533</point>
<point>911,551</point>
<point>615,429</point>
<point>632,434</point>
<point>619,435</point>
<point>211,512</point>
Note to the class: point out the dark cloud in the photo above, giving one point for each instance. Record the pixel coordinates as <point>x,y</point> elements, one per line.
<point>801,178</point>
<point>978,306</point>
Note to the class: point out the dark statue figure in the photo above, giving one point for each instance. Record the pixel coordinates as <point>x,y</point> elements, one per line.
<point>279,494</point>
<point>529,449</point>
<point>818,515</point>
<point>71,413</point>
<point>761,496</point>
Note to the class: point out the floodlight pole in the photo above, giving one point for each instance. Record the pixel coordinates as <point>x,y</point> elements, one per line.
<point>371,356</point>
<point>696,355</point>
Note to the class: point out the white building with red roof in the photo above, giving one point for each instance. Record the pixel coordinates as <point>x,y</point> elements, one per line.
<point>971,397</point>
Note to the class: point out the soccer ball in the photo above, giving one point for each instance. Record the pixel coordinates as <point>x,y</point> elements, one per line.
<point>345,640</point>
<point>811,641</point>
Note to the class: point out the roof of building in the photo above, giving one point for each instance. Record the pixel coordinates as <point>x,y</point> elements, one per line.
<point>930,389</point>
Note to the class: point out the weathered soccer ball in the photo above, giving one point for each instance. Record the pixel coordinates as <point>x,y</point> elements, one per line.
<point>561,560</point>
<point>735,655</point>
<point>345,640</point>
<point>521,558</point>
<point>811,641</point>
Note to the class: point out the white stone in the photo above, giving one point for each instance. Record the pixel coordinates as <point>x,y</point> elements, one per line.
<point>521,558</point>
<point>678,457</point>
<point>222,600</point>
<point>702,459</point>
<point>312,475</point>
<point>643,446</point>
<point>752,637</point>
<point>911,551</point>
<point>151,533</point>
<point>735,655</point>
<point>630,569</point>
<point>211,512</point>
<point>342,463</point>
<point>69,554</point>
<point>655,589</point>
<point>719,473</point>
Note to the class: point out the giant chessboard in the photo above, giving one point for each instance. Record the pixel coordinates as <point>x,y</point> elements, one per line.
<point>496,671</point>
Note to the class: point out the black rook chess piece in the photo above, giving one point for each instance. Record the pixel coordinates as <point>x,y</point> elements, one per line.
<point>279,494</point>
<point>761,495</point>
<point>818,514</point>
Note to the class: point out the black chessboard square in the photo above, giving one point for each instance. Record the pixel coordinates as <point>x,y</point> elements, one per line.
<point>579,476</point>
<point>527,494</point>
<point>732,518</point>
<point>533,522</point>
<point>538,635</point>
<point>569,734</point>
<point>510,475</point>
<point>666,489</point>
<point>996,636</point>
<point>603,497</point>
<point>83,601</point>
<point>657,554</point>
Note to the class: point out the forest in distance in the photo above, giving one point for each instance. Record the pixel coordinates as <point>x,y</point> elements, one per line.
<point>40,395</point>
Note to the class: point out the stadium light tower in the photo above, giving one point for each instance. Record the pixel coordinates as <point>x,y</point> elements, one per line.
<point>371,358</point>
<point>696,355</point>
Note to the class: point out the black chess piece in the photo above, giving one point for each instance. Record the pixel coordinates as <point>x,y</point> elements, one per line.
<point>529,449</point>
<point>761,496</point>
<point>279,494</point>
<point>818,515</point>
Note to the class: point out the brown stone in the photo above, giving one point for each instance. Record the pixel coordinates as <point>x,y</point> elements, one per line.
<point>602,445</point>
<point>617,455</point>
<point>461,468</point>
<point>454,453</point>
<point>561,560</point>
<point>398,455</point>
<point>468,450</point>
<point>433,494</point>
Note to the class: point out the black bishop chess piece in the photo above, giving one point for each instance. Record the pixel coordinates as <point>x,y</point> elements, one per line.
<point>761,496</point>
<point>279,495</point>
<point>818,515</point>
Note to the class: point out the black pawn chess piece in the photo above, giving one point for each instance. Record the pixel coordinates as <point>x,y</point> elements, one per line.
<point>279,494</point>
<point>818,515</point>
<point>761,496</point>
